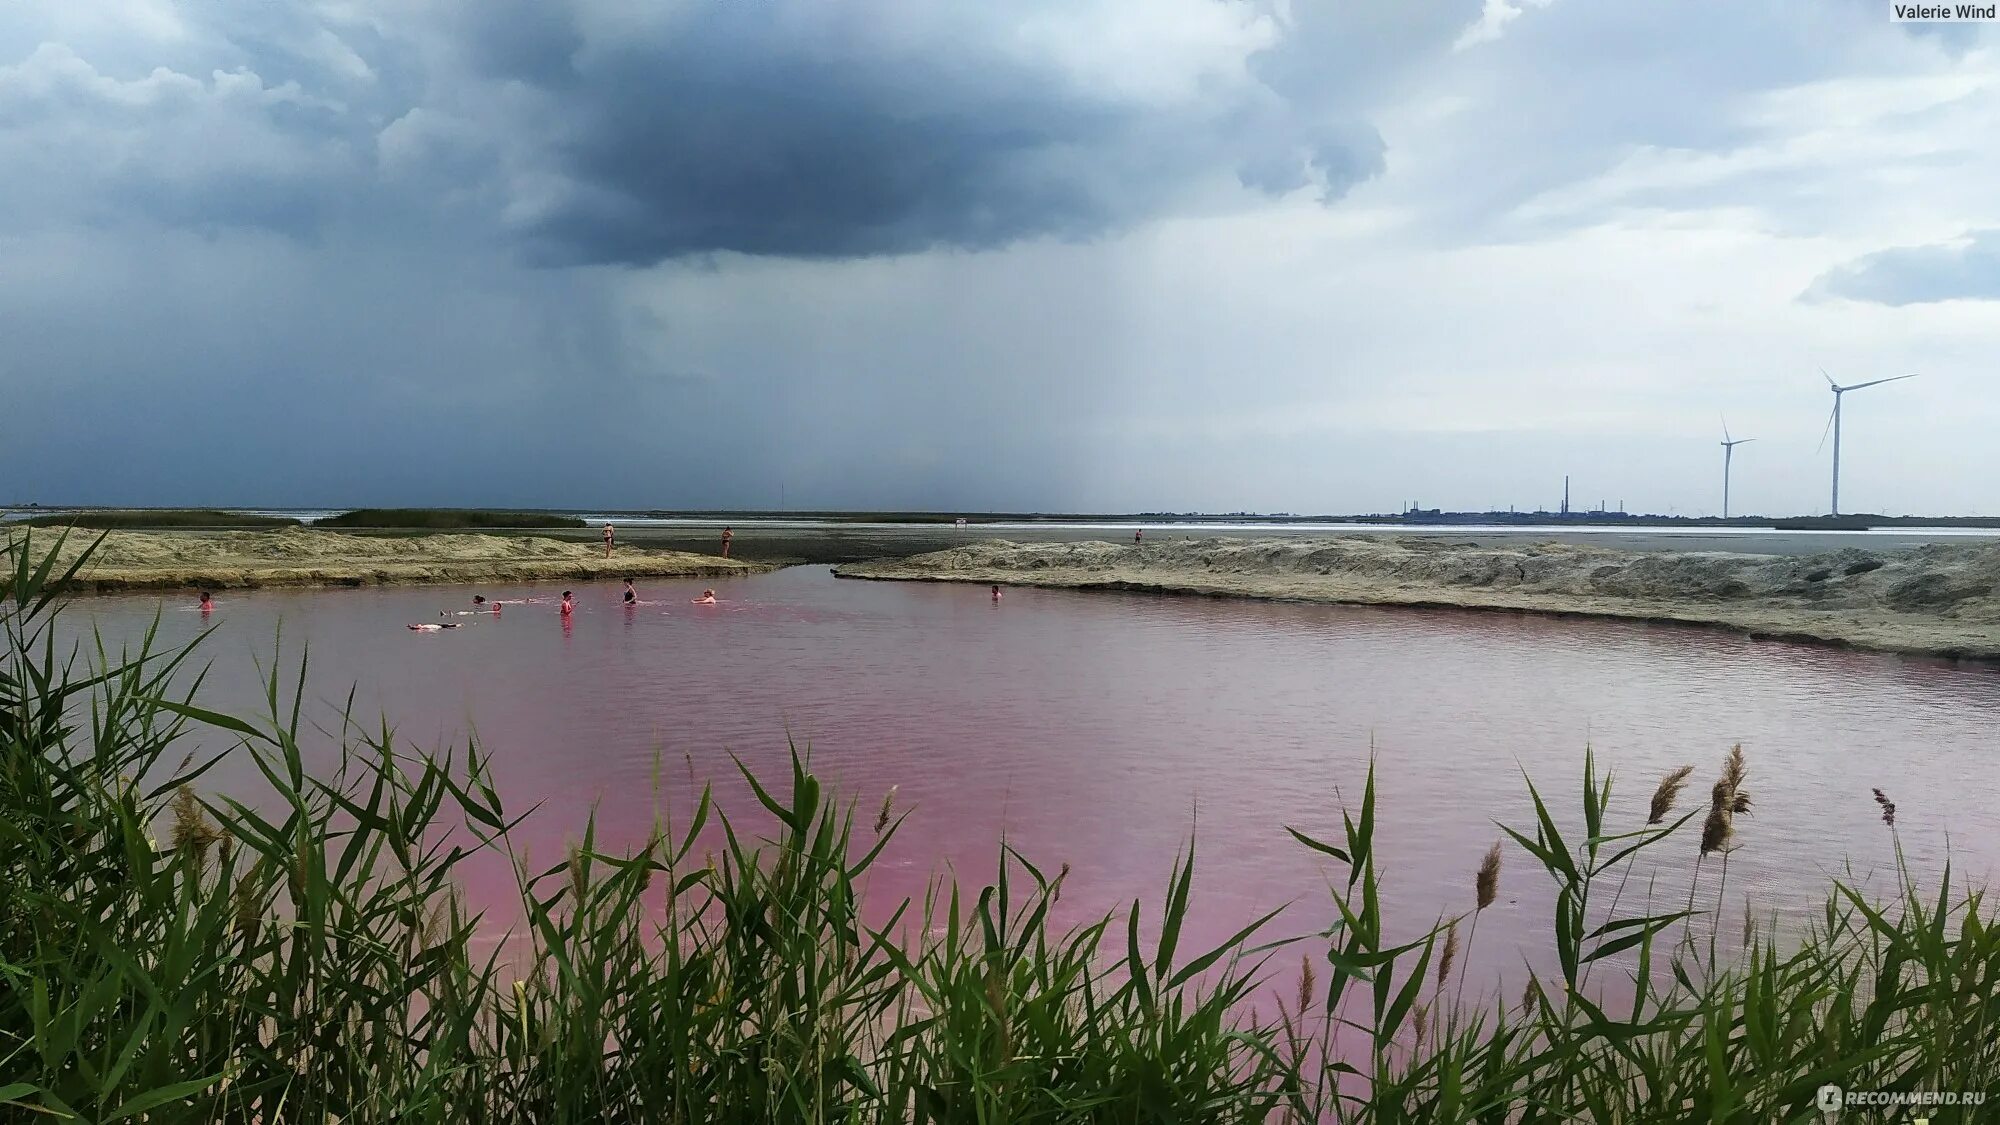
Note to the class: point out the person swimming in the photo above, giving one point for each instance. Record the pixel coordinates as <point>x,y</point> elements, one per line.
<point>707,598</point>
<point>432,627</point>
<point>631,595</point>
<point>568,604</point>
<point>479,599</point>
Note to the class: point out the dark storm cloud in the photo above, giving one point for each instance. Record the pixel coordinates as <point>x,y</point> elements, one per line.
<point>1966,270</point>
<point>769,129</point>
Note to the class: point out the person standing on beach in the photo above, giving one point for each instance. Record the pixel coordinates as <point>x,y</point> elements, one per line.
<point>1137,533</point>
<point>727,535</point>
<point>607,540</point>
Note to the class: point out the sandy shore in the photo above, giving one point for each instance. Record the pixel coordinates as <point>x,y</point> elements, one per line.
<point>1941,600</point>
<point>130,560</point>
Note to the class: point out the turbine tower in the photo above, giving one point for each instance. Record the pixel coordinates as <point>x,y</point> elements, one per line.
<point>1728,453</point>
<point>1833,425</point>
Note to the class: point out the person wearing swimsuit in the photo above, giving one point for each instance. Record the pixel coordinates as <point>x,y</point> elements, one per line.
<point>631,595</point>
<point>568,606</point>
<point>207,604</point>
<point>727,535</point>
<point>996,593</point>
<point>607,540</point>
<point>707,598</point>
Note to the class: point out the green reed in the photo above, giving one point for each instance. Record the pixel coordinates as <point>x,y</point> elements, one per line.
<point>169,954</point>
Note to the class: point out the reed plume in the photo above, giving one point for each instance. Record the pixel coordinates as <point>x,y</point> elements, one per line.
<point>579,876</point>
<point>1668,791</point>
<point>1449,955</point>
<point>1888,808</point>
<point>1486,884</point>
<point>1726,800</point>
<point>1717,830</point>
<point>1529,991</point>
<point>882,816</point>
<point>192,832</point>
<point>1306,985</point>
<point>1485,889</point>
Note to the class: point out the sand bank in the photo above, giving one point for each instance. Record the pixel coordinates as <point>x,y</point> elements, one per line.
<point>1940,600</point>
<point>129,560</point>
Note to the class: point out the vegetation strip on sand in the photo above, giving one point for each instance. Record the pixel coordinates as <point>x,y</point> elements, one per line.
<point>131,560</point>
<point>1940,600</point>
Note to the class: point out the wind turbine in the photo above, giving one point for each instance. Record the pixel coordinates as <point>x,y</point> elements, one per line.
<point>1833,424</point>
<point>1729,452</point>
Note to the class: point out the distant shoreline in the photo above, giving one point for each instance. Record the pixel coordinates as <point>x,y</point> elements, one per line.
<point>544,518</point>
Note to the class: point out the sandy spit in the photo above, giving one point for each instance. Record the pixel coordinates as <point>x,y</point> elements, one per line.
<point>133,560</point>
<point>1939,600</point>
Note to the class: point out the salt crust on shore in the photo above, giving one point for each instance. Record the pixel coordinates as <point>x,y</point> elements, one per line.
<point>1942,599</point>
<point>302,557</point>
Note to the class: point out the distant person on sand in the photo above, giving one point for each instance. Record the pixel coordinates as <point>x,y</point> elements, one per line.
<point>1137,534</point>
<point>207,603</point>
<point>727,535</point>
<point>631,595</point>
<point>996,593</point>
<point>568,606</point>
<point>707,598</point>
<point>607,540</point>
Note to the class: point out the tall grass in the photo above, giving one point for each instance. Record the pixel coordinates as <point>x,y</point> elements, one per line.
<point>172,954</point>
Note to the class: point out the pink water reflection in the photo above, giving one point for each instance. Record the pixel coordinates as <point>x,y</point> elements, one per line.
<point>1097,729</point>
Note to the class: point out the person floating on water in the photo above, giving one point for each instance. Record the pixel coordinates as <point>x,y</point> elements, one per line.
<point>607,540</point>
<point>433,627</point>
<point>631,595</point>
<point>568,604</point>
<point>727,535</point>
<point>707,598</point>
<point>996,593</point>
<point>207,603</point>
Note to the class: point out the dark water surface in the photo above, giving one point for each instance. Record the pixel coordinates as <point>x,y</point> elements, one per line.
<point>1099,729</point>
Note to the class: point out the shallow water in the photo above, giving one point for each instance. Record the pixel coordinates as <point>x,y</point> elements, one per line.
<point>1100,729</point>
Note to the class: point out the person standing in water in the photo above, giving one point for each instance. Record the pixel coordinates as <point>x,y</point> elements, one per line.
<point>727,535</point>
<point>207,604</point>
<point>607,540</point>
<point>568,605</point>
<point>631,595</point>
<point>996,593</point>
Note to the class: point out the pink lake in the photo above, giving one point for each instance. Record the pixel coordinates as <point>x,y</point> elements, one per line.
<point>1101,729</point>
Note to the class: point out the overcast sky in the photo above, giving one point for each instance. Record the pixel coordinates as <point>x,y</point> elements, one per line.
<point>1312,256</point>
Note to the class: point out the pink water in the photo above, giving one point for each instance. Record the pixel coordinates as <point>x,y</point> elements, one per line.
<point>1097,729</point>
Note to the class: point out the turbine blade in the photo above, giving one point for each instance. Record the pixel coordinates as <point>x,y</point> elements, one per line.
<point>1829,426</point>
<point>1725,429</point>
<point>1829,378</point>
<point>1878,382</point>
